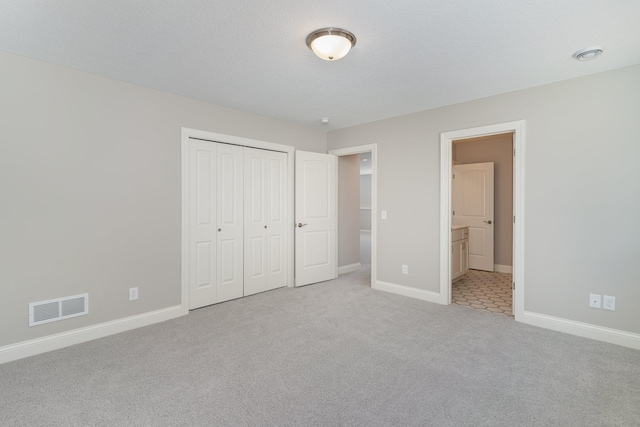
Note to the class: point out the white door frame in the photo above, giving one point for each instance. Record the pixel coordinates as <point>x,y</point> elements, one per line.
<point>373,148</point>
<point>446,142</point>
<point>186,134</point>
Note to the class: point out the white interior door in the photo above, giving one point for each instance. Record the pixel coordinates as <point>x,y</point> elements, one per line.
<point>277,225</point>
<point>316,212</point>
<point>255,221</point>
<point>473,206</point>
<point>229,197</point>
<point>202,224</point>
<point>264,225</point>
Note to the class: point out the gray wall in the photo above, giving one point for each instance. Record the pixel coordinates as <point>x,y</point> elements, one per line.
<point>348,210</point>
<point>582,192</point>
<point>497,149</point>
<point>90,190</point>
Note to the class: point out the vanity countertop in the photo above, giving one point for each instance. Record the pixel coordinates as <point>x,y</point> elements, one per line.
<point>458,227</point>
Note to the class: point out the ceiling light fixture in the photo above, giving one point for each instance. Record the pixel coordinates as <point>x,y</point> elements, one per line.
<point>331,43</point>
<point>588,53</point>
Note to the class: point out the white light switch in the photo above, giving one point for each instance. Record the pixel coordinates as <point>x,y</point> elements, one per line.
<point>383,214</point>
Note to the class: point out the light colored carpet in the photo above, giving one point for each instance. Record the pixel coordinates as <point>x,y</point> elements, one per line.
<point>331,354</point>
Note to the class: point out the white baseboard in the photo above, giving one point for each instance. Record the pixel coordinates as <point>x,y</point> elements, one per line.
<point>407,291</point>
<point>77,336</point>
<point>349,268</point>
<point>586,330</point>
<point>503,268</point>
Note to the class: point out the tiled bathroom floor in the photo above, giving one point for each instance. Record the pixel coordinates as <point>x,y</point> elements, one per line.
<point>484,290</point>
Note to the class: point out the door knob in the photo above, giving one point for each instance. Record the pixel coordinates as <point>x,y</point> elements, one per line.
<point>488,222</point>
<point>301,224</point>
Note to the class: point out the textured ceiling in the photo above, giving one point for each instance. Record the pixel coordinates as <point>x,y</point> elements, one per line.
<point>411,55</point>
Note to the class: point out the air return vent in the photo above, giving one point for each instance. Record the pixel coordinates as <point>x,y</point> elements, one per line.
<point>57,309</point>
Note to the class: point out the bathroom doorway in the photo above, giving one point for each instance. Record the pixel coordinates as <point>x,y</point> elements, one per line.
<point>516,128</point>
<point>482,199</point>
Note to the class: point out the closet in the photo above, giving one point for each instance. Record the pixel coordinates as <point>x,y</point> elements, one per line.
<point>237,212</point>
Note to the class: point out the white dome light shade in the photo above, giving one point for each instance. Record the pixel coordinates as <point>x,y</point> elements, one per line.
<point>331,44</point>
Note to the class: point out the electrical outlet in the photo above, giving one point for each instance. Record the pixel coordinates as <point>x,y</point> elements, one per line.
<point>609,303</point>
<point>405,269</point>
<point>595,301</point>
<point>133,294</point>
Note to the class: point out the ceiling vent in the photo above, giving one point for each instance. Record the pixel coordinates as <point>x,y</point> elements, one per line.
<point>589,53</point>
<point>57,309</point>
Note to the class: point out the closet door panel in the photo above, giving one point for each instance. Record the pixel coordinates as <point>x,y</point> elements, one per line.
<point>202,224</point>
<point>276,216</point>
<point>230,211</point>
<point>255,222</point>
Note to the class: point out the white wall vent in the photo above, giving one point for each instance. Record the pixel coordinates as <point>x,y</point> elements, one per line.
<point>57,309</point>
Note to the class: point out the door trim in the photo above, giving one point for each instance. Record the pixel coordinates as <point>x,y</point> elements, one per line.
<point>186,134</point>
<point>359,149</point>
<point>446,142</point>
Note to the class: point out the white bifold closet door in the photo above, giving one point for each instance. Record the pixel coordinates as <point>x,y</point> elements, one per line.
<point>264,220</point>
<point>237,206</point>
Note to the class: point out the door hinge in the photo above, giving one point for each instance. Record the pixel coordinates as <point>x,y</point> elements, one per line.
<point>513,285</point>
<point>454,176</point>
<point>514,219</point>
<point>514,152</point>
<point>454,212</point>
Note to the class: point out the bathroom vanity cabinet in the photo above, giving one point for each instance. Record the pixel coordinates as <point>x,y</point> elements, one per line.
<point>459,251</point>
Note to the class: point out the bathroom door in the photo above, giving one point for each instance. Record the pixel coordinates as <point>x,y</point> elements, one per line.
<point>473,206</point>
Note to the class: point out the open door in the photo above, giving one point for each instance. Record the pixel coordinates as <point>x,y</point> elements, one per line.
<point>316,213</point>
<point>473,206</point>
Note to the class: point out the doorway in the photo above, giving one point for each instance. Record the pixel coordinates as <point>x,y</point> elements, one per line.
<point>446,162</point>
<point>364,208</point>
<point>365,240</point>
<point>482,198</point>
